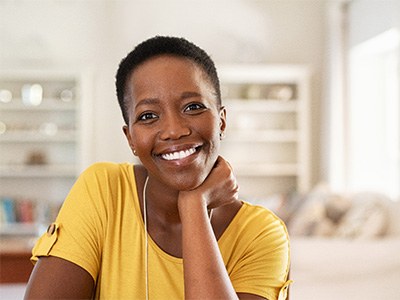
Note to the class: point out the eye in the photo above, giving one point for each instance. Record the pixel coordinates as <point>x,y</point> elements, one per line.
<point>146,116</point>
<point>194,107</point>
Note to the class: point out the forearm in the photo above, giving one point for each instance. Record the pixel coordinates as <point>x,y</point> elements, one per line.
<point>204,270</point>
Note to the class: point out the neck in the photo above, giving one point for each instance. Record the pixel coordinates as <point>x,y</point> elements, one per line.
<point>162,202</point>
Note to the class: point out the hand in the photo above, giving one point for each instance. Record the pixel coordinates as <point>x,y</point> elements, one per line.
<point>218,189</point>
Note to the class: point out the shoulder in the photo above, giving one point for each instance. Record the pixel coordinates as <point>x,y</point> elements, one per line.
<point>257,213</point>
<point>262,223</point>
<point>108,169</point>
<point>105,176</point>
<point>101,187</point>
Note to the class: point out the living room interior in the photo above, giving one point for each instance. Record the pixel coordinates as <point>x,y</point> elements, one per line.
<point>311,89</point>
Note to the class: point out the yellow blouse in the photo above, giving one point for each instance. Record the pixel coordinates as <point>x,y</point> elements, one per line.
<point>100,228</point>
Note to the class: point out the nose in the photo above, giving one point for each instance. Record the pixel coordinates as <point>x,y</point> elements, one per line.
<point>174,127</point>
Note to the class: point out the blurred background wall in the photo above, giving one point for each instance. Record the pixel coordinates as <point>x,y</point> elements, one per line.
<point>96,34</point>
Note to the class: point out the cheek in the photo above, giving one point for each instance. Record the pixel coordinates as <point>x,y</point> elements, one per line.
<point>141,141</point>
<point>213,135</point>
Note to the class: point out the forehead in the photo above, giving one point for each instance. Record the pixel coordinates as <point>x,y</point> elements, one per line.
<point>164,63</point>
<point>167,71</point>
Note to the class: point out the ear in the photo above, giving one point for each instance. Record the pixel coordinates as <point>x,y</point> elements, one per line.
<point>128,136</point>
<point>222,121</point>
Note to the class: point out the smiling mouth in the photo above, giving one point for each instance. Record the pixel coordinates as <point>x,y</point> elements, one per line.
<point>179,154</point>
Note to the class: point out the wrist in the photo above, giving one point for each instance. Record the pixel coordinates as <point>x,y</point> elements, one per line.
<point>189,204</point>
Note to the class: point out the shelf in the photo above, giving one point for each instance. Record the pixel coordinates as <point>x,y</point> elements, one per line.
<point>264,169</point>
<point>28,136</point>
<point>261,105</point>
<point>42,142</point>
<point>20,229</point>
<point>48,104</point>
<point>262,136</point>
<point>267,139</point>
<point>262,74</point>
<point>38,171</point>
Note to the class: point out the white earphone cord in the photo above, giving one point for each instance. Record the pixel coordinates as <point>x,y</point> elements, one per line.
<point>146,246</point>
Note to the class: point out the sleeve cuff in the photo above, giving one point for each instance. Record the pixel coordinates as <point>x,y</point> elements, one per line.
<point>45,243</point>
<point>284,290</point>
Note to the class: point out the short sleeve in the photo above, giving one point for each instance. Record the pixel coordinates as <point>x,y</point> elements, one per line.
<point>77,234</point>
<point>262,257</point>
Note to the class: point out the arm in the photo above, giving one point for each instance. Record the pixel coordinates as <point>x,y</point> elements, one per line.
<point>205,274</point>
<point>58,274</point>
<point>204,270</point>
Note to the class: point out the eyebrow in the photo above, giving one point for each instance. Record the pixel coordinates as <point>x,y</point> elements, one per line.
<point>147,101</point>
<point>150,101</point>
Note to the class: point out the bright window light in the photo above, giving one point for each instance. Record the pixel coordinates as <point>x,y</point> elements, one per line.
<point>374,112</point>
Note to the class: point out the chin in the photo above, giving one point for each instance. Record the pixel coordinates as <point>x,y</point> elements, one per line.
<point>188,183</point>
<point>187,178</point>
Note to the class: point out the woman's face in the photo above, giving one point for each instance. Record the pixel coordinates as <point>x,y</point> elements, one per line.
<point>174,121</point>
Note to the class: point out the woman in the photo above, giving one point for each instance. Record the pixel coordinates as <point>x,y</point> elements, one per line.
<point>172,227</point>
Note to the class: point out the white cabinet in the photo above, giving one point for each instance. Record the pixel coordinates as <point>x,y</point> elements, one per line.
<point>43,141</point>
<point>268,134</point>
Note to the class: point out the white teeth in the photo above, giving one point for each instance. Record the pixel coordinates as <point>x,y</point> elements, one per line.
<point>179,154</point>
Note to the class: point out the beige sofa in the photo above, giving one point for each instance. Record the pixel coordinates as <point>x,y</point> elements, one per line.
<point>341,269</point>
<point>358,259</point>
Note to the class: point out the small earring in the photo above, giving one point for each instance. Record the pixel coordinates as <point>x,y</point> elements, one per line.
<point>221,135</point>
<point>134,152</point>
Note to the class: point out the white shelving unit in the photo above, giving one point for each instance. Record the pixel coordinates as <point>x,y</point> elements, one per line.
<point>268,134</point>
<point>45,123</point>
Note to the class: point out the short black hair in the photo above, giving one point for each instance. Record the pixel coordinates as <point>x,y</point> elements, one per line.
<point>160,45</point>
